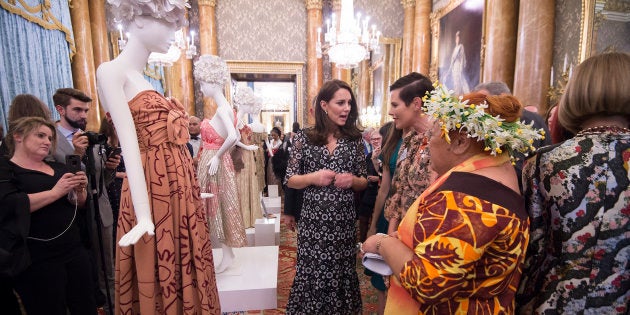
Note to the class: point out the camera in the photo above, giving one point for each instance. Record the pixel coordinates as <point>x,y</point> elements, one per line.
<point>95,138</point>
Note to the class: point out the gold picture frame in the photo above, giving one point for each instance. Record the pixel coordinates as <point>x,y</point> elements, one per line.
<point>271,68</point>
<point>443,18</point>
<point>595,14</point>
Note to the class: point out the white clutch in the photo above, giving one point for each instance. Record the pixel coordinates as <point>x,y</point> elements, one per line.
<point>375,263</point>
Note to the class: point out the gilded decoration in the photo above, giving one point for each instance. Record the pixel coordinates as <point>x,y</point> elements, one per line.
<point>212,3</point>
<point>604,27</point>
<point>408,3</point>
<point>439,52</point>
<point>314,4</point>
<point>43,15</point>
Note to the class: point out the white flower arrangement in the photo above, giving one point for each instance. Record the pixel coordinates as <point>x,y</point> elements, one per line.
<point>453,114</point>
<point>173,11</point>
<point>211,69</point>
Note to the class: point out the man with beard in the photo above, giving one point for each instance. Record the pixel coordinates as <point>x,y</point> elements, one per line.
<point>72,106</point>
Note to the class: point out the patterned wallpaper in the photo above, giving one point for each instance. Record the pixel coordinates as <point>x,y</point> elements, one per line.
<point>613,36</point>
<point>567,35</point>
<point>388,15</point>
<point>272,30</point>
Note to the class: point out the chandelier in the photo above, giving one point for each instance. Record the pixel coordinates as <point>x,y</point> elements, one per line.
<point>186,44</point>
<point>370,117</point>
<point>352,42</point>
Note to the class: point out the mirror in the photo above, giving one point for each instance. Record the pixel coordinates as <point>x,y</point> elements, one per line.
<point>280,84</point>
<point>605,27</point>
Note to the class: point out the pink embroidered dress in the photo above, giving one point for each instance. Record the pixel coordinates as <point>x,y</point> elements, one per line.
<point>225,220</point>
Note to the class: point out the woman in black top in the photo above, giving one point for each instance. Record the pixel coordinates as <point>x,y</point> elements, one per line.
<point>58,278</point>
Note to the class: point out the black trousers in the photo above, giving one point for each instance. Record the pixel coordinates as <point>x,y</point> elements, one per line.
<point>59,286</point>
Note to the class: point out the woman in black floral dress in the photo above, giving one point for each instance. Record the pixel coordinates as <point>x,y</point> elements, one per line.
<point>329,164</point>
<point>577,194</point>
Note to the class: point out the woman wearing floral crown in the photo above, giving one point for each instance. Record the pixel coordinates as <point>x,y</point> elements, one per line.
<point>460,246</point>
<point>169,269</point>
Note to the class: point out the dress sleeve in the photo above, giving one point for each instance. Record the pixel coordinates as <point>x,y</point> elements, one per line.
<point>452,234</point>
<point>534,270</point>
<point>294,165</point>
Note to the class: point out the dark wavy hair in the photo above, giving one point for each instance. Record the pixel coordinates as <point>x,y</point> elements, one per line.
<point>318,135</point>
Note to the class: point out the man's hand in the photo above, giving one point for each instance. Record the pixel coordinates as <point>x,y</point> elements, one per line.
<point>80,143</point>
<point>112,162</point>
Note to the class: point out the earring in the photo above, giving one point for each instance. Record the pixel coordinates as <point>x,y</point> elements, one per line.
<point>326,112</point>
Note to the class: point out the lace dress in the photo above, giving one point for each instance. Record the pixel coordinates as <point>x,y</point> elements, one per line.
<point>173,271</point>
<point>326,280</point>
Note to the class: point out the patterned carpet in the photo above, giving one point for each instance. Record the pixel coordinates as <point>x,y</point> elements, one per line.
<point>286,273</point>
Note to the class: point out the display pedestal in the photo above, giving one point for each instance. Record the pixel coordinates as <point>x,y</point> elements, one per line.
<point>251,282</point>
<point>272,205</point>
<point>267,231</point>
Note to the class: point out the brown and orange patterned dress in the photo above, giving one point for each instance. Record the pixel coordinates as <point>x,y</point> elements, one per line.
<point>469,238</point>
<point>173,271</point>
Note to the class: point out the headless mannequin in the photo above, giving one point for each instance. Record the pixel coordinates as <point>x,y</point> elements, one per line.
<point>119,81</point>
<point>224,125</point>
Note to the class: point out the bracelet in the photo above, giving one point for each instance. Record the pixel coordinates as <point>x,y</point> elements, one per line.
<point>378,243</point>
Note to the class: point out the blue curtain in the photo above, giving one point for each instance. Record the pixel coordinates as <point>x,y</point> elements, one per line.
<point>155,74</point>
<point>35,49</point>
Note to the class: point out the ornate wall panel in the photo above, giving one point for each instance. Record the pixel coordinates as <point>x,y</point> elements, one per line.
<point>272,30</point>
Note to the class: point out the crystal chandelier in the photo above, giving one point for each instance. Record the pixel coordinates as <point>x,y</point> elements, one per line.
<point>352,42</point>
<point>370,117</point>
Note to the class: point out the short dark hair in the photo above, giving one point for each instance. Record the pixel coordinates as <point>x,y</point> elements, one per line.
<point>411,86</point>
<point>296,126</point>
<point>63,96</point>
<point>494,88</point>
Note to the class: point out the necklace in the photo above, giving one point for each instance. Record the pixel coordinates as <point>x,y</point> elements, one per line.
<point>604,129</point>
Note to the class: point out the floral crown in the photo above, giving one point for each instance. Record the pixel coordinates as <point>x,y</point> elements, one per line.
<point>453,114</point>
<point>173,11</point>
<point>211,69</point>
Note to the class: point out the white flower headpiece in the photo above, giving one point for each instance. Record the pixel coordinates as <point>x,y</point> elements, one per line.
<point>173,11</point>
<point>211,69</point>
<point>244,96</point>
<point>453,114</point>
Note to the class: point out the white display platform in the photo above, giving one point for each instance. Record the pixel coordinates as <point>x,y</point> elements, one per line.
<point>272,204</point>
<point>267,231</point>
<point>252,280</point>
<point>250,233</point>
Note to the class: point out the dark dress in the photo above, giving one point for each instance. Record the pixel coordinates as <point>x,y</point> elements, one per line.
<point>326,281</point>
<point>60,273</point>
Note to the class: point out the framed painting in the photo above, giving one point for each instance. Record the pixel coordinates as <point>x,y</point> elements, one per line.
<point>605,27</point>
<point>457,44</point>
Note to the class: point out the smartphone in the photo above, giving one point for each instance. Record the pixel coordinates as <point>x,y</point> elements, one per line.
<point>73,162</point>
<point>114,151</point>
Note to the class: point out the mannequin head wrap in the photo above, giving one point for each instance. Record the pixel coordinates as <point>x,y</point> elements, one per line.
<point>244,96</point>
<point>211,69</point>
<point>173,11</point>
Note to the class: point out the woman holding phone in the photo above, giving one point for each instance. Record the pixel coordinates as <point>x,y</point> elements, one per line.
<point>59,276</point>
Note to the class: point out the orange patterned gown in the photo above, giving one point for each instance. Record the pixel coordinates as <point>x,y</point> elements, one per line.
<point>173,271</point>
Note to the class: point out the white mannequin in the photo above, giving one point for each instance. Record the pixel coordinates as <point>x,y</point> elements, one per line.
<point>119,81</point>
<point>224,125</point>
<point>254,111</point>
